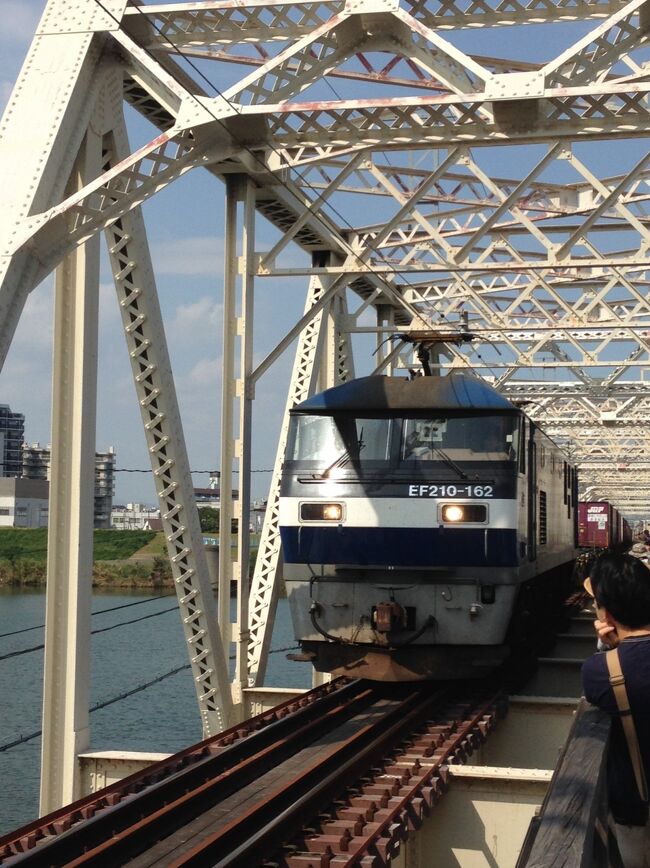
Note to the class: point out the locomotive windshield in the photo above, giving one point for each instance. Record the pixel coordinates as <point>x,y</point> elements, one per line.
<point>323,438</point>
<point>343,441</point>
<point>475,438</point>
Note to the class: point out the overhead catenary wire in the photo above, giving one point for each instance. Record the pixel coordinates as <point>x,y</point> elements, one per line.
<point>22,739</point>
<point>350,249</point>
<point>276,178</point>
<point>139,470</point>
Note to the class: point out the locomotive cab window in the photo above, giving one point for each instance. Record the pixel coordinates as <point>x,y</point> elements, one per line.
<point>341,445</point>
<point>473,438</point>
<point>338,443</point>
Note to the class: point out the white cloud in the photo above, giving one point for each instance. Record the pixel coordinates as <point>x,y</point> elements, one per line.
<point>19,19</point>
<point>189,272</point>
<point>197,321</point>
<point>202,255</point>
<point>204,374</point>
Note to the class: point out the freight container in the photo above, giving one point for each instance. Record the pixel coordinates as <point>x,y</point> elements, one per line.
<point>597,525</point>
<point>600,525</point>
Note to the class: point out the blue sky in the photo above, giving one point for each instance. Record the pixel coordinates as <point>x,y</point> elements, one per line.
<point>185,226</point>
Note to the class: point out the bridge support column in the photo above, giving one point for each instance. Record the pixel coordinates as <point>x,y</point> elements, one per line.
<point>66,730</point>
<point>163,430</point>
<point>236,418</point>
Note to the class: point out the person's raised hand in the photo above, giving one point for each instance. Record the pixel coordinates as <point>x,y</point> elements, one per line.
<point>606,633</point>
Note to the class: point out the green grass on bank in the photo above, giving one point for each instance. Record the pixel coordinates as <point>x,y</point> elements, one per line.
<point>155,548</point>
<point>111,545</point>
<point>23,543</point>
<point>19,543</point>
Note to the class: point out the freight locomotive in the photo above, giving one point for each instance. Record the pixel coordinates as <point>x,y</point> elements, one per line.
<point>416,518</point>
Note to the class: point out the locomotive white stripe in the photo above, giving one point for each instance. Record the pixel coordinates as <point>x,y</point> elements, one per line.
<point>398,512</point>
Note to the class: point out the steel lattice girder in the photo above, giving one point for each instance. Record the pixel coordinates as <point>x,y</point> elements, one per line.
<point>497,205</point>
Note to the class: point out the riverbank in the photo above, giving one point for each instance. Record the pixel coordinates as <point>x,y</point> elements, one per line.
<point>123,559</point>
<point>150,573</point>
<point>127,560</point>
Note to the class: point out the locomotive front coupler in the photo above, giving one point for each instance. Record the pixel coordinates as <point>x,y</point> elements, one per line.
<point>387,617</point>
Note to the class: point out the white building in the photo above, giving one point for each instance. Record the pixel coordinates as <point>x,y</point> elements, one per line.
<point>134,516</point>
<point>23,502</point>
<point>36,464</point>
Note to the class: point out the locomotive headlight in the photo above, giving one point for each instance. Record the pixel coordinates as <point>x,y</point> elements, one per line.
<point>321,511</point>
<point>332,512</point>
<point>455,513</point>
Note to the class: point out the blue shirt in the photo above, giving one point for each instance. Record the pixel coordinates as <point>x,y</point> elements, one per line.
<point>634,653</point>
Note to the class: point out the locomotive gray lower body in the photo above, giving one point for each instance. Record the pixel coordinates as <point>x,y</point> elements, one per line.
<point>388,596</point>
<point>391,627</point>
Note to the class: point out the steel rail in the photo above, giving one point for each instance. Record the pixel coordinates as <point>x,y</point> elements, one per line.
<point>28,844</point>
<point>467,736</point>
<point>156,821</point>
<point>249,839</point>
<point>253,834</point>
<point>390,751</point>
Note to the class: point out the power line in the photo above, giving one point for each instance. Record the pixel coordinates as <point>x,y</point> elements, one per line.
<point>22,651</point>
<point>139,688</point>
<point>98,612</point>
<point>32,735</point>
<point>276,178</point>
<point>22,739</point>
<point>306,184</point>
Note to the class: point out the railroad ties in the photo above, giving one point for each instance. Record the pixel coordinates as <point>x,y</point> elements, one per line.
<point>340,777</point>
<point>344,774</point>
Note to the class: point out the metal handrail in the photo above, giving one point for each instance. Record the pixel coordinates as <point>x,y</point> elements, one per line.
<point>573,818</point>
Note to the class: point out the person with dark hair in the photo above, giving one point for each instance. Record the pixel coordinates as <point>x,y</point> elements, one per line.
<point>618,682</point>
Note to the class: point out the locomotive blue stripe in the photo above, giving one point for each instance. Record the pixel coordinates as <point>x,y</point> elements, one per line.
<point>400,547</point>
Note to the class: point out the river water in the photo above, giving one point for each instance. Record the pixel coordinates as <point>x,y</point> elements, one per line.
<point>162,718</point>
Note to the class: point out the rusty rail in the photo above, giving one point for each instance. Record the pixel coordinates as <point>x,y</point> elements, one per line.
<point>199,760</point>
<point>394,800</point>
<point>378,764</point>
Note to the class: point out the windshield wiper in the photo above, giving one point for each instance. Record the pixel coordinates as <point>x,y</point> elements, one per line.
<point>450,462</point>
<point>342,459</point>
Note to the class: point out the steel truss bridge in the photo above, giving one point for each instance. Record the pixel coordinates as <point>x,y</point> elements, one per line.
<point>474,170</point>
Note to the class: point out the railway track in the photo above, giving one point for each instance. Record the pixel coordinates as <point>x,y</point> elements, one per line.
<point>339,778</point>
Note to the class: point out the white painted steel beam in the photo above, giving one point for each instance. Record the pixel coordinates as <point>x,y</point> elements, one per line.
<point>266,576</point>
<point>236,430</point>
<point>154,385</point>
<point>66,685</point>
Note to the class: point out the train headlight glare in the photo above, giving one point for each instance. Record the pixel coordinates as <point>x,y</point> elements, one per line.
<point>453,513</point>
<point>321,511</point>
<point>465,513</point>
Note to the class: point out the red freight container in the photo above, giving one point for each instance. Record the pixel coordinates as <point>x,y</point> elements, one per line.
<point>595,528</point>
